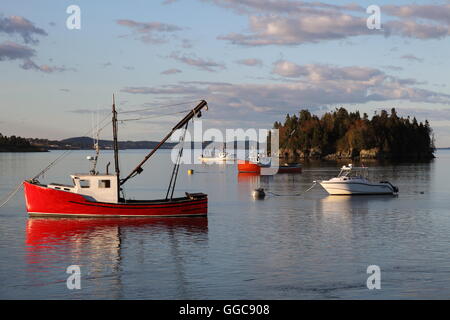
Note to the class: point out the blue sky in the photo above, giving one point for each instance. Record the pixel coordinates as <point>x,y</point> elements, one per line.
<point>253,61</point>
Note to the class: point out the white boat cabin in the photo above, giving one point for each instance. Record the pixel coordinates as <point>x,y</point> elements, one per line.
<point>351,172</point>
<point>102,188</point>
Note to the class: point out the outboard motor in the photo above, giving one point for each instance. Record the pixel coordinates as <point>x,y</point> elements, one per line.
<point>394,188</point>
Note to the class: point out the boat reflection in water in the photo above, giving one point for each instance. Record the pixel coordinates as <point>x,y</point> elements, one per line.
<point>105,247</point>
<point>351,204</point>
<point>250,178</point>
<point>49,231</point>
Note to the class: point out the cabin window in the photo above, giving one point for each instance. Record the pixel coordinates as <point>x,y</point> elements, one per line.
<point>104,183</point>
<point>84,183</point>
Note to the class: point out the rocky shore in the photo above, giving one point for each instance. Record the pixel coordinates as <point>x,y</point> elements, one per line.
<point>364,154</point>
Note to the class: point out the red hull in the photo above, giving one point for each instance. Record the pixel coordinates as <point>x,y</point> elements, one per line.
<point>41,200</point>
<point>252,167</point>
<point>245,166</point>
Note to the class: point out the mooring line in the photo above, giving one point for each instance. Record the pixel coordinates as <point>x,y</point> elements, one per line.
<point>295,194</point>
<point>9,197</point>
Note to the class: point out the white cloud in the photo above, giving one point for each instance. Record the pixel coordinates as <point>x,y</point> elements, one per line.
<point>12,51</point>
<point>298,22</point>
<point>149,32</point>
<point>171,71</point>
<point>19,25</point>
<point>310,86</point>
<point>251,62</point>
<point>411,57</point>
<point>200,63</point>
<point>28,64</point>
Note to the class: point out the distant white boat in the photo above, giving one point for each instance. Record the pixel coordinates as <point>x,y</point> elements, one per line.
<point>221,156</point>
<point>259,158</point>
<point>353,180</point>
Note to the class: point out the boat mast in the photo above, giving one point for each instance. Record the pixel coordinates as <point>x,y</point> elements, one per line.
<point>194,112</point>
<point>115,145</point>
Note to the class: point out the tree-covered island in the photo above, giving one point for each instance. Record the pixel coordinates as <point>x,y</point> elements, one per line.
<point>346,135</point>
<point>18,144</point>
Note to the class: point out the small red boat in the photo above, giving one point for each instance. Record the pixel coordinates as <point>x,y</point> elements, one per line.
<point>99,195</point>
<point>246,166</point>
<point>254,163</point>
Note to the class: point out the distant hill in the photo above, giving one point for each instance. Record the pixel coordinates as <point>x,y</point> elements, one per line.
<point>18,144</point>
<point>86,143</point>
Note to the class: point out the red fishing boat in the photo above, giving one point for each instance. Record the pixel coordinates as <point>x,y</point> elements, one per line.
<point>100,195</point>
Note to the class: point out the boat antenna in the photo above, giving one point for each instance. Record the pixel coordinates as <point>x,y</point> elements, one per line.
<point>194,112</point>
<point>115,145</point>
<point>95,140</point>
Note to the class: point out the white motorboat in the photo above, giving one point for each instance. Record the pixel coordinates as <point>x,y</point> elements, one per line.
<point>353,180</point>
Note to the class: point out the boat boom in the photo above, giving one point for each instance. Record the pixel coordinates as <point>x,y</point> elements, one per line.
<point>194,112</point>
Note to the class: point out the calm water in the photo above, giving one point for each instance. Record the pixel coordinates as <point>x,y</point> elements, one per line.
<point>312,246</point>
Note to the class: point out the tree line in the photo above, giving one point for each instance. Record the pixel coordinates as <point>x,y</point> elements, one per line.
<point>343,134</point>
<point>15,143</point>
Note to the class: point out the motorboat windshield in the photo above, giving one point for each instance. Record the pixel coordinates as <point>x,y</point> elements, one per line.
<point>349,171</point>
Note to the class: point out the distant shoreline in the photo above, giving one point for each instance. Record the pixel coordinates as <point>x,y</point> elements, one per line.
<point>76,143</point>
<point>20,149</point>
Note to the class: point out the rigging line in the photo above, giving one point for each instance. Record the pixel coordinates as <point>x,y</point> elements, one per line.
<point>62,155</point>
<point>107,124</point>
<point>178,168</point>
<point>285,195</point>
<point>155,107</point>
<point>295,194</point>
<point>154,116</point>
<point>51,164</point>
<point>174,171</point>
<point>177,165</point>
